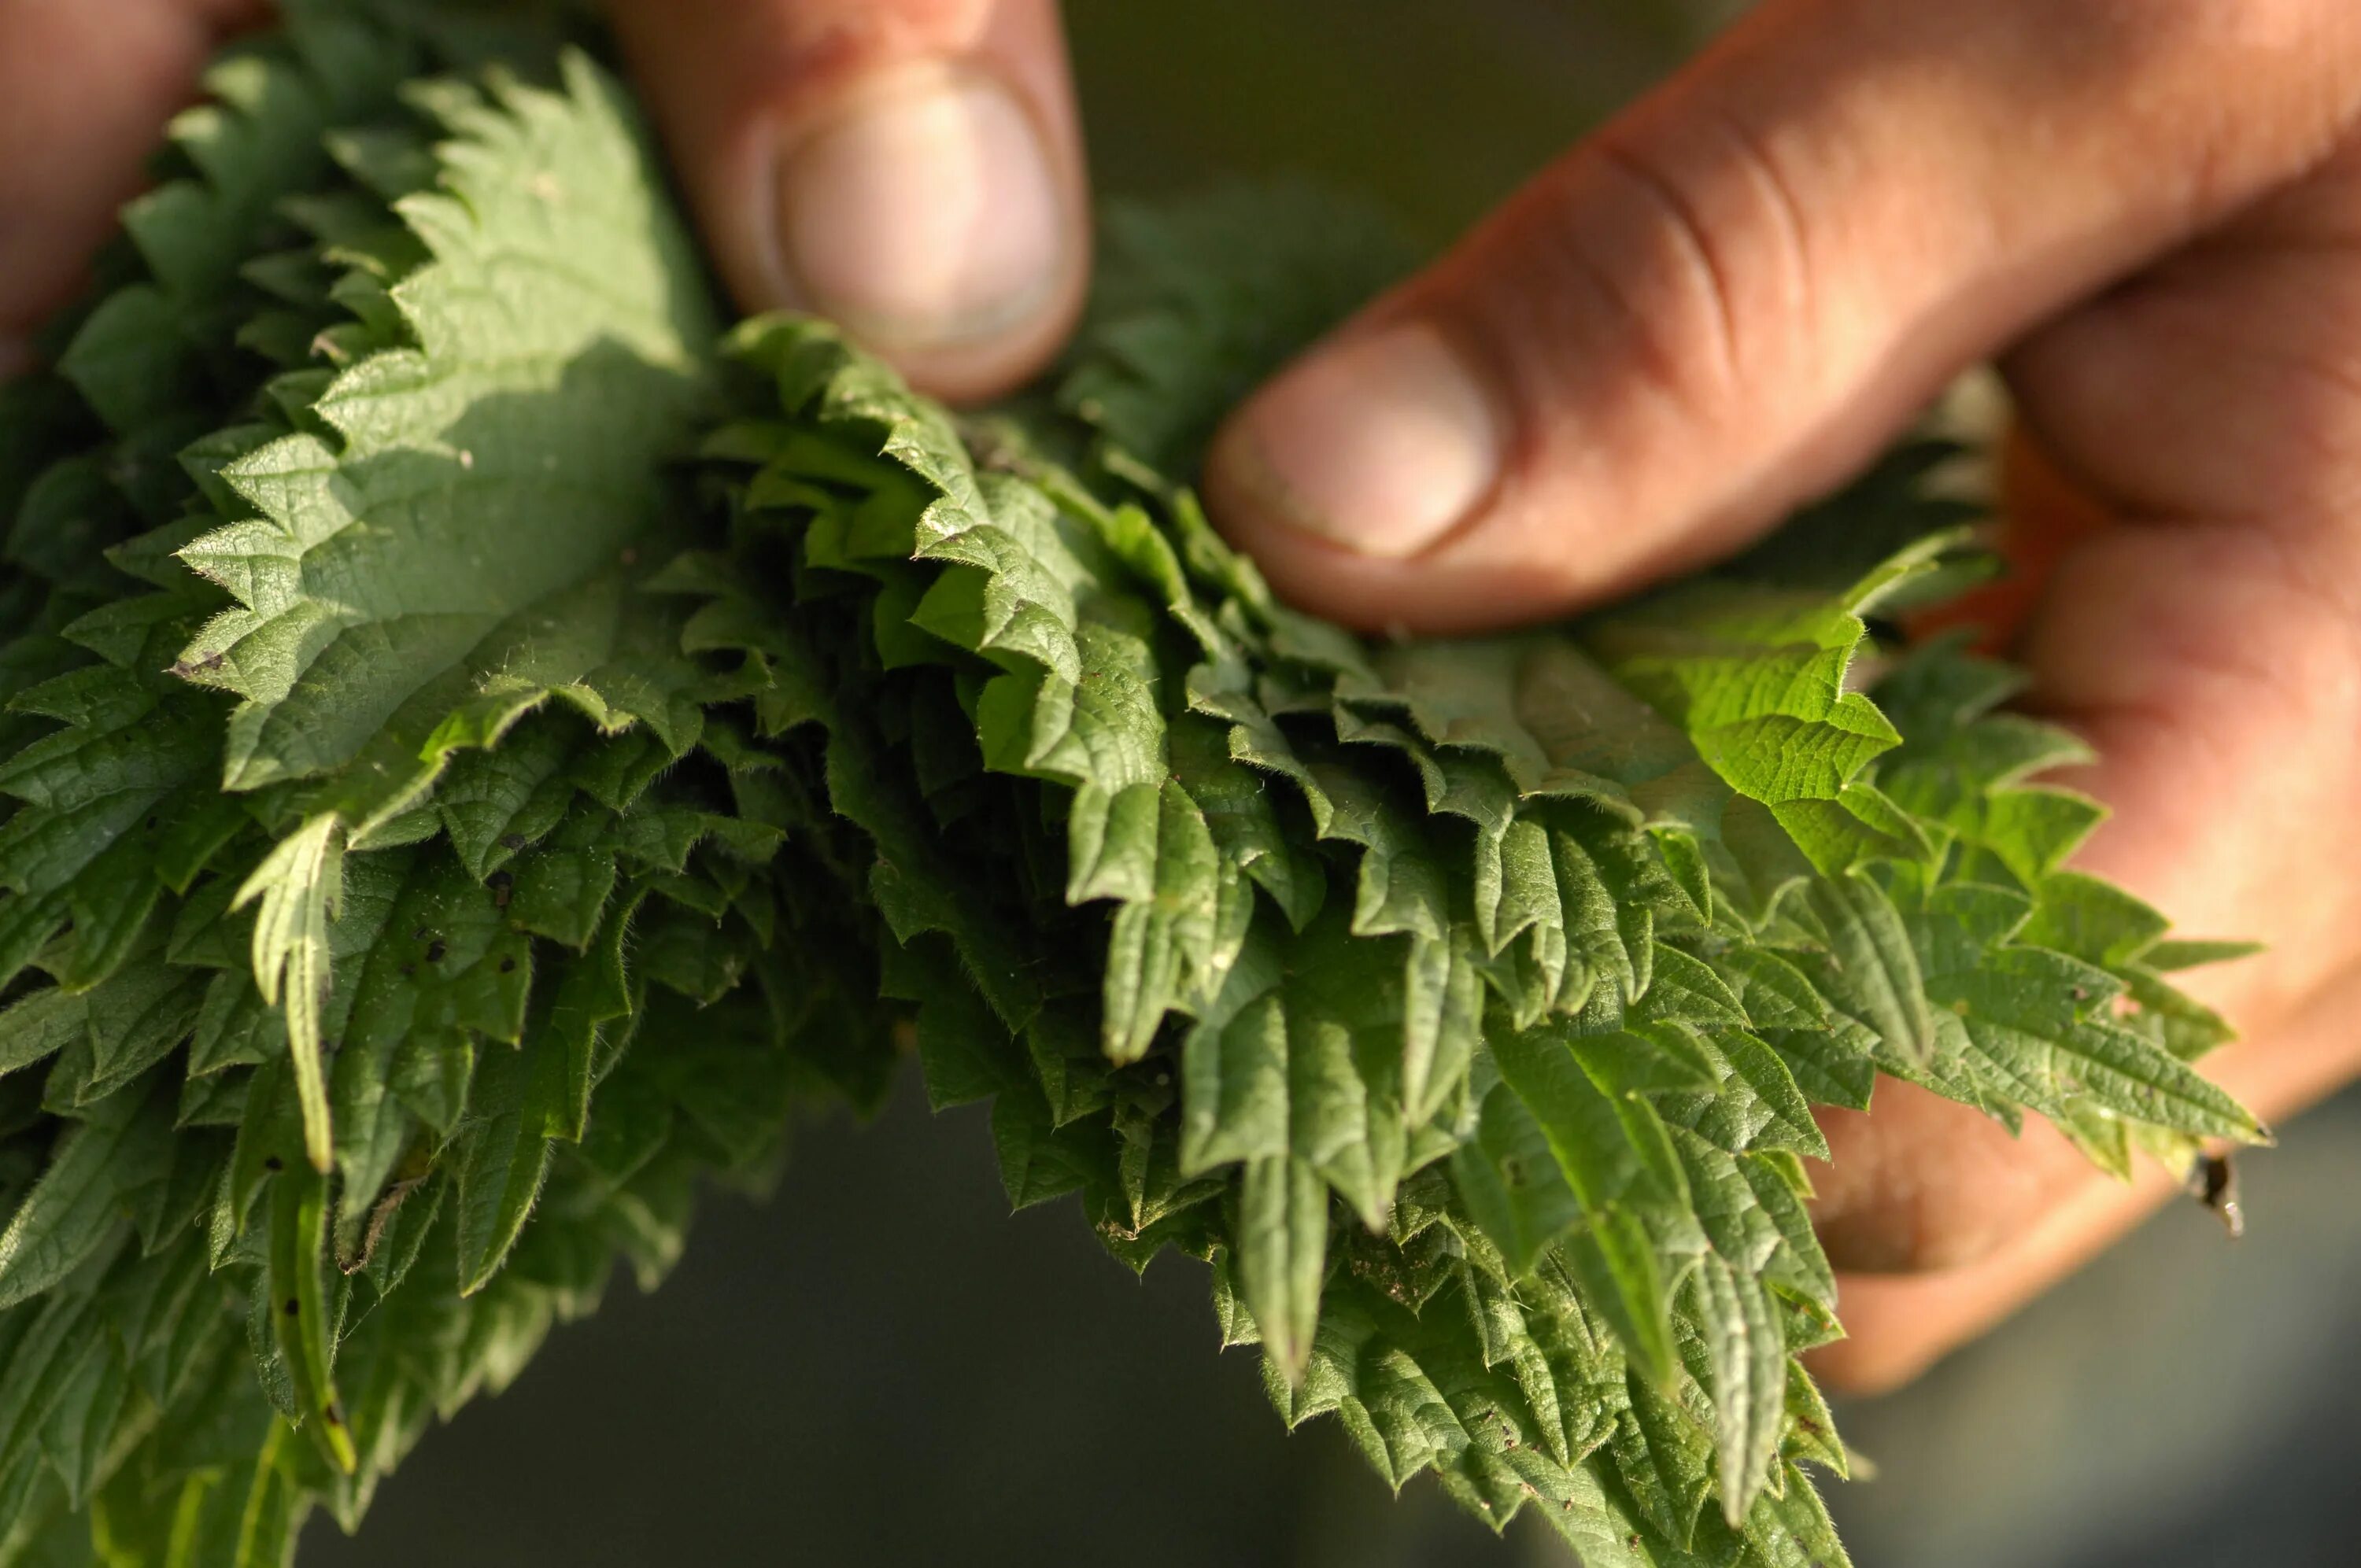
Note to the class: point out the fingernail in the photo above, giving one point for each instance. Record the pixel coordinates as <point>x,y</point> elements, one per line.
<point>927,215</point>
<point>1382,444</point>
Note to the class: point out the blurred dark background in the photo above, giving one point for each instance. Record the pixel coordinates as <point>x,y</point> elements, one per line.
<point>882,1367</point>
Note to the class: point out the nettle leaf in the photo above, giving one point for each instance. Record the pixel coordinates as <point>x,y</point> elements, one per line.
<point>298,887</point>
<point>1745,1346</point>
<point>298,1301</point>
<point>516,433</point>
<point>440,830</point>
<point>1553,823</point>
<point>1282,1255</point>
<point>74,1209</point>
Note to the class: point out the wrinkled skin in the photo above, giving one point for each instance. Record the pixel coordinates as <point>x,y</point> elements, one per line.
<point>2147,211</point>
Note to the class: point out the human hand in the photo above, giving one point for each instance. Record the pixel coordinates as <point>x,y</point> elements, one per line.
<point>1733,295</point>
<point>1711,311</point>
<point>911,166</point>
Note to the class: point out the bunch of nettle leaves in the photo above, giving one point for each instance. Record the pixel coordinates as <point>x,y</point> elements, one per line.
<point>478,751</point>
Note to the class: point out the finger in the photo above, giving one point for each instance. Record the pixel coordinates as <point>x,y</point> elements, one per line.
<point>1922,1184</point>
<point>911,168</point>
<point>2211,645</point>
<point>1898,1325</point>
<point>1925,1184</point>
<point>84,94</point>
<point>1730,297</point>
<point>2207,636</point>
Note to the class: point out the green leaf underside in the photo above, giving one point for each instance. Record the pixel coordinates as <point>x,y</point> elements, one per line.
<point>438,834</point>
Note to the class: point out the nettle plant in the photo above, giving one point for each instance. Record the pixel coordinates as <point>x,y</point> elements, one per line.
<point>481,749</point>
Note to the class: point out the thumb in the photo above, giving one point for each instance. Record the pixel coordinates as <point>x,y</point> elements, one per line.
<point>910,168</point>
<point>1730,298</point>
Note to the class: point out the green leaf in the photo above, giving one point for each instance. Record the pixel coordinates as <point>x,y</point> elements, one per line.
<point>1615,1262</point>
<point>1749,1358</point>
<point>267,1523</point>
<point>297,889</point>
<point>581,817</point>
<point>1811,1429</point>
<point>1282,1255</point>
<point>2167,956</point>
<point>503,1153</point>
<point>532,433</point>
<point>1614,1150</point>
<point>299,1235</point>
<point>1869,967</point>
<point>124,1144</point>
<point>140,1012</point>
<point>1510,1180</point>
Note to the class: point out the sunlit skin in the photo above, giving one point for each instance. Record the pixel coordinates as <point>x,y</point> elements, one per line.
<point>2149,211</point>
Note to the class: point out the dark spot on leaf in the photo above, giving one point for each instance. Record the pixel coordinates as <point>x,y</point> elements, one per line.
<point>512,841</point>
<point>334,1413</point>
<point>294,1306</point>
<point>421,933</point>
<point>503,888</point>
<point>508,966</point>
<point>435,949</point>
<point>274,1163</point>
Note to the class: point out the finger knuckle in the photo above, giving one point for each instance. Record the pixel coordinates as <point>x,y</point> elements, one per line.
<point>1675,247</point>
<point>1685,257</point>
<point>2289,434</point>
